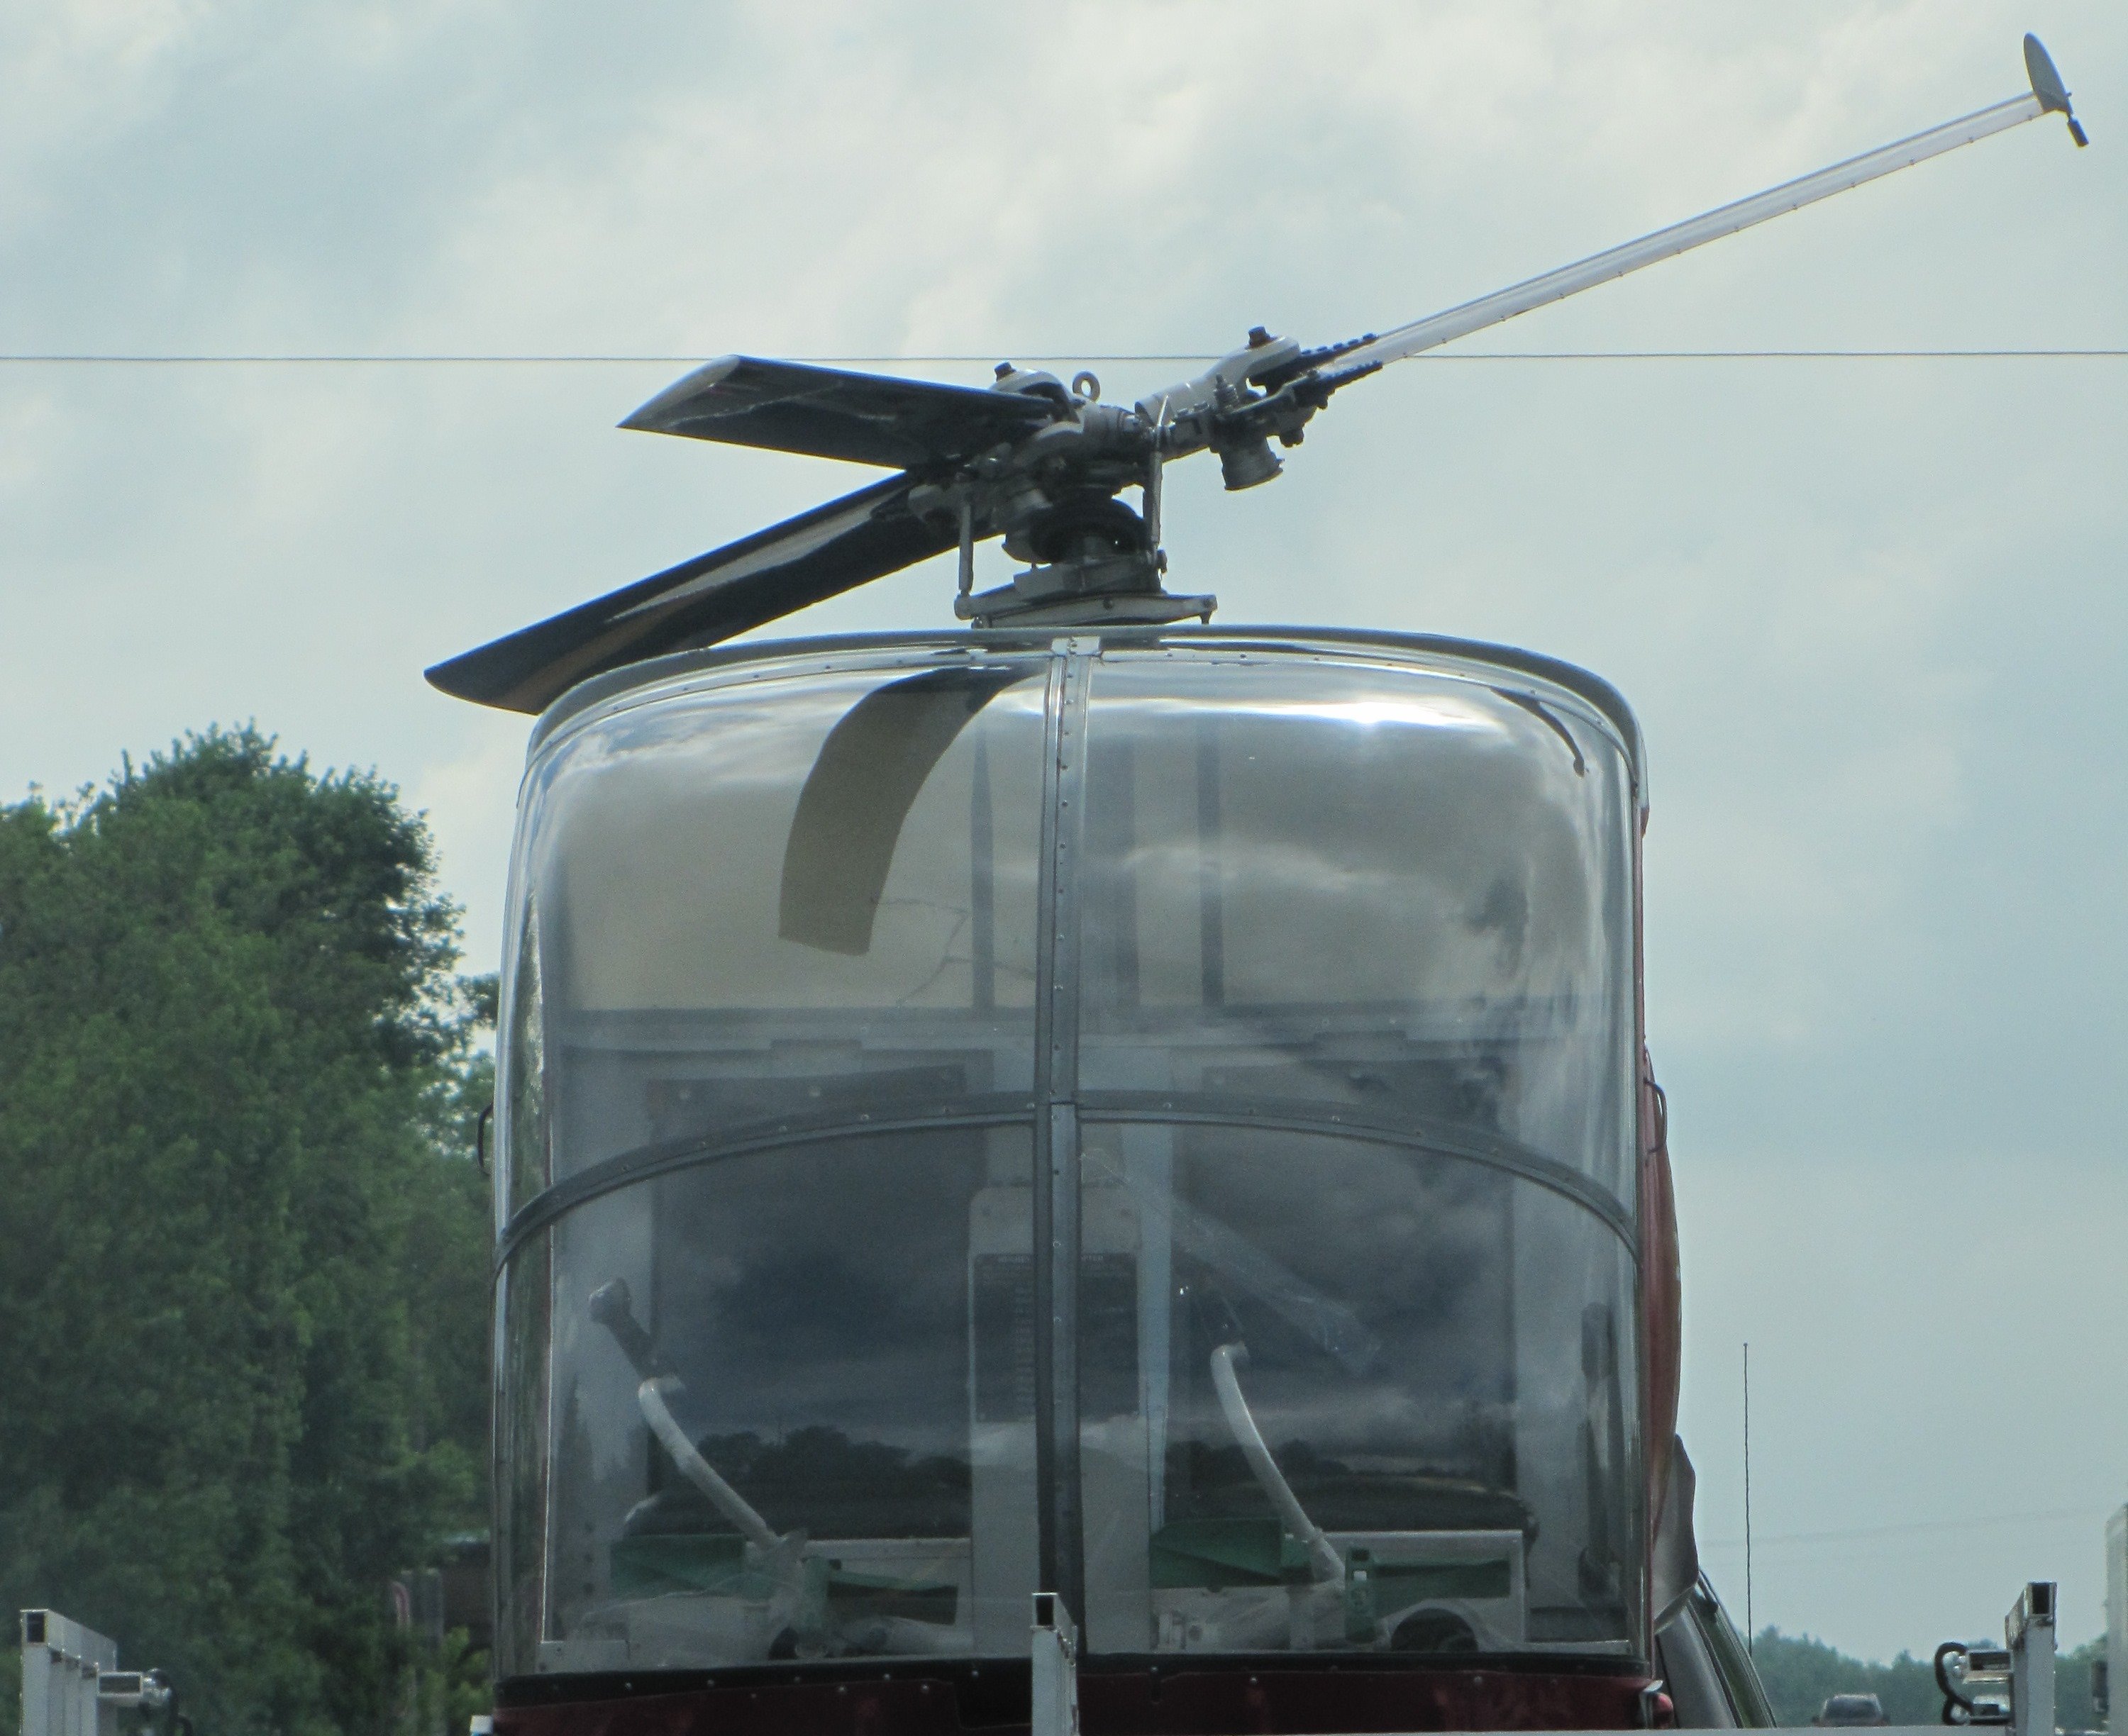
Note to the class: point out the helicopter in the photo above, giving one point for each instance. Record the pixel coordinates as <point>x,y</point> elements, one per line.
<point>1090,1107</point>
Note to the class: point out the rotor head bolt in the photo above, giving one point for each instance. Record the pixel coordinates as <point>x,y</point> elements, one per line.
<point>1258,337</point>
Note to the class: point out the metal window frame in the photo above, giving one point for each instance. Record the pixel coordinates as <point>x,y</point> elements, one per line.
<point>1061,1552</point>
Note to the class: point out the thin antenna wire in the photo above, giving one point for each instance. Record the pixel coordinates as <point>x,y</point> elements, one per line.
<point>1751,1621</point>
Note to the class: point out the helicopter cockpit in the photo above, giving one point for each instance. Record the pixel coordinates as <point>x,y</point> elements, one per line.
<point>1148,1115</point>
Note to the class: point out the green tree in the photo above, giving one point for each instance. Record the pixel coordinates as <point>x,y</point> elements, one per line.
<point>242,1310</point>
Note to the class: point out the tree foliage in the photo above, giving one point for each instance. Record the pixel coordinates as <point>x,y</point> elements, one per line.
<point>243,1309</point>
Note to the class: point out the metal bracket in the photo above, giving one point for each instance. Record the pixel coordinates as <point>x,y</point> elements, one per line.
<point>1056,1657</point>
<point>1006,607</point>
<point>2028,1631</point>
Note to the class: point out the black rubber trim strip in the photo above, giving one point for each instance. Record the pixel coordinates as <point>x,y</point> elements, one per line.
<point>1287,1115</point>
<point>665,1156</point>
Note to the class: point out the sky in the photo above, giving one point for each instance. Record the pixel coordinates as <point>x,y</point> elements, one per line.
<point>1871,612</point>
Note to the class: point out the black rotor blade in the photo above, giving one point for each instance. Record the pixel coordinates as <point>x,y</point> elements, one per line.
<point>805,560</point>
<point>857,798</point>
<point>866,418</point>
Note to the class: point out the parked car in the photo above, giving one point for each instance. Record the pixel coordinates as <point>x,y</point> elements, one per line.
<point>1843,1712</point>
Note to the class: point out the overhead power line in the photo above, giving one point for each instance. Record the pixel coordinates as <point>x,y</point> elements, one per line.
<point>1987,1521</point>
<point>147,359</point>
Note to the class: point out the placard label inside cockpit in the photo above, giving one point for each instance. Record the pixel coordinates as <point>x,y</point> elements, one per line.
<point>1003,1320</point>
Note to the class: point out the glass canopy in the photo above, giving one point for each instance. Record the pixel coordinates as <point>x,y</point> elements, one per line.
<point>1148,1118</point>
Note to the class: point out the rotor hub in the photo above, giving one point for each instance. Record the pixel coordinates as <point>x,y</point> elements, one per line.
<point>1084,525</point>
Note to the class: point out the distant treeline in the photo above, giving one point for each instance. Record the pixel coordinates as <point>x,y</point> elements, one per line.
<point>1802,1673</point>
<point>243,1303</point>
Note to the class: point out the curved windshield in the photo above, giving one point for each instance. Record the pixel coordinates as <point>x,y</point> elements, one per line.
<point>732,1422</point>
<point>1340,1394</point>
<point>761,1446</point>
<point>802,896</point>
<point>1378,1391</point>
<point>1268,1016</point>
<point>1402,894</point>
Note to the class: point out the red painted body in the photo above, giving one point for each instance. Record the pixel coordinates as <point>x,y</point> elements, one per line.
<point>1271,1700</point>
<point>1662,1322</point>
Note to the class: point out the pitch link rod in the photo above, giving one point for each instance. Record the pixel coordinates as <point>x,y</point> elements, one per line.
<point>2046,95</point>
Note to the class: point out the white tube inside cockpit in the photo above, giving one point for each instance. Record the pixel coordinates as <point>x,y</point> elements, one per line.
<point>697,1469</point>
<point>1322,1558</point>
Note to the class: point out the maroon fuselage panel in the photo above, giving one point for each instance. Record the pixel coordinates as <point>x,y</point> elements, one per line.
<point>1262,1702</point>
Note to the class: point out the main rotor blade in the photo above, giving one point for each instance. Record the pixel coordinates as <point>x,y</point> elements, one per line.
<point>817,555</point>
<point>828,413</point>
<point>858,798</point>
<point>1665,244</point>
